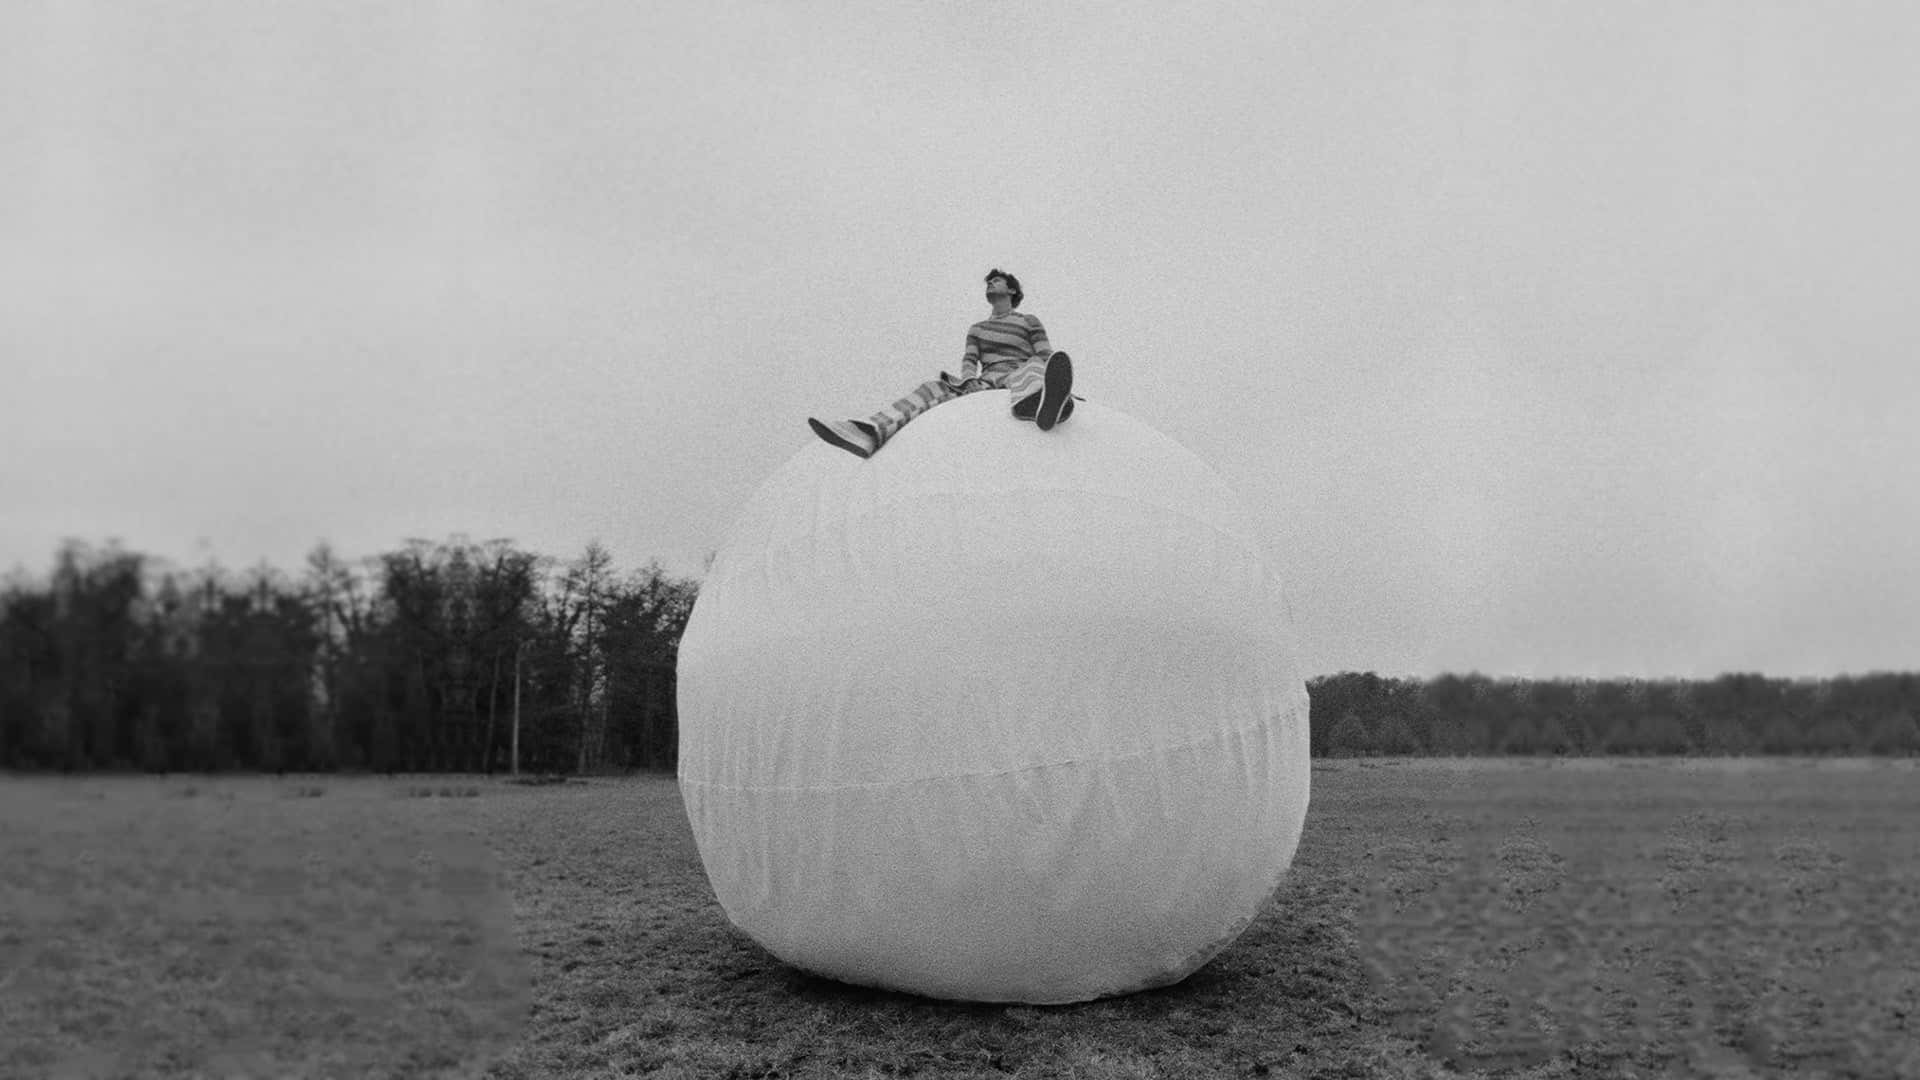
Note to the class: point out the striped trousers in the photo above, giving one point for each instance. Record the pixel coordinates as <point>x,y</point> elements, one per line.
<point>1020,378</point>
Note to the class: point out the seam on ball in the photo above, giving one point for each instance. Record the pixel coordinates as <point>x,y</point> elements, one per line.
<point>1170,511</point>
<point>1177,748</point>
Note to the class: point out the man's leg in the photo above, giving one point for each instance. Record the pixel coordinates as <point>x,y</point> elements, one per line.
<point>1043,392</point>
<point>1056,392</point>
<point>888,421</point>
<point>856,437</point>
<point>864,438</point>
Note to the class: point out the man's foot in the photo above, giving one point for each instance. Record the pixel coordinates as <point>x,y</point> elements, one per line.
<point>854,437</point>
<point>1056,391</point>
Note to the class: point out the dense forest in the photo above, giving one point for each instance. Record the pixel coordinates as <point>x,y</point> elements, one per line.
<point>452,656</point>
<point>457,656</point>
<point>1734,714</point>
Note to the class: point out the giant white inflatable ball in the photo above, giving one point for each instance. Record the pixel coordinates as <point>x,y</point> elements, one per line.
<point>995,715</point>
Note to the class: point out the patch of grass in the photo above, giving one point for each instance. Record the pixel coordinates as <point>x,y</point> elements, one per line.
<point>544,780</point>
<point>1542,919</point>
<point>1671,918</point>
<point>442,791</point>
<point>248,933</point>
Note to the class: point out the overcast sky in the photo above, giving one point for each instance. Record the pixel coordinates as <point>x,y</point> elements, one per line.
<point>1543,339</point>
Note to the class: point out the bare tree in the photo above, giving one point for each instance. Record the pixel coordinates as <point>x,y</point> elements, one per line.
<point>589,579</point>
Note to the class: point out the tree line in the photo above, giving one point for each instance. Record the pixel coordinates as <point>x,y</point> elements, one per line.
<point>438,656</point>
<point>456,656</point>
<point>1733,714</point>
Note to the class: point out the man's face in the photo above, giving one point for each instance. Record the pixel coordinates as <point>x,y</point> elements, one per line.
<point>997,288</point>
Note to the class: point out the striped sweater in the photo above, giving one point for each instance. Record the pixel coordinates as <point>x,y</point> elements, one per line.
<point>1004,341</point>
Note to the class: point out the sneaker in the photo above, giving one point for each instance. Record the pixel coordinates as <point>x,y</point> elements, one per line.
<point>1056,391</point>
<point>855,438</point>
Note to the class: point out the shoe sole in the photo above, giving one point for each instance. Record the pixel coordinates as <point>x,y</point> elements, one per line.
<point>829,435</point>
<point>1054,392</point>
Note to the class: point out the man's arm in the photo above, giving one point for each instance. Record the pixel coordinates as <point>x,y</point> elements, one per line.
<point>970,360</point>
<point>1037,337</point>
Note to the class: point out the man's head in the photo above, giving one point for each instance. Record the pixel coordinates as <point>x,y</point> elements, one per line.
<point>1000,282</point>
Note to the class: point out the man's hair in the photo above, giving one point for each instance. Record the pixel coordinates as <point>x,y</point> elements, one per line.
<point>1013,284</point>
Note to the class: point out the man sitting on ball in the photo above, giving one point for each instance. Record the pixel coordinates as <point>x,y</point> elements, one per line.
<point>1008,350</point>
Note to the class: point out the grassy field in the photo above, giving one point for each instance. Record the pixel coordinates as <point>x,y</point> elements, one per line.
<point>1525,919</point>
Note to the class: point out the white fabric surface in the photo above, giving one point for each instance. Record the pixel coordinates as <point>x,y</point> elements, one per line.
<point>997,715</point>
